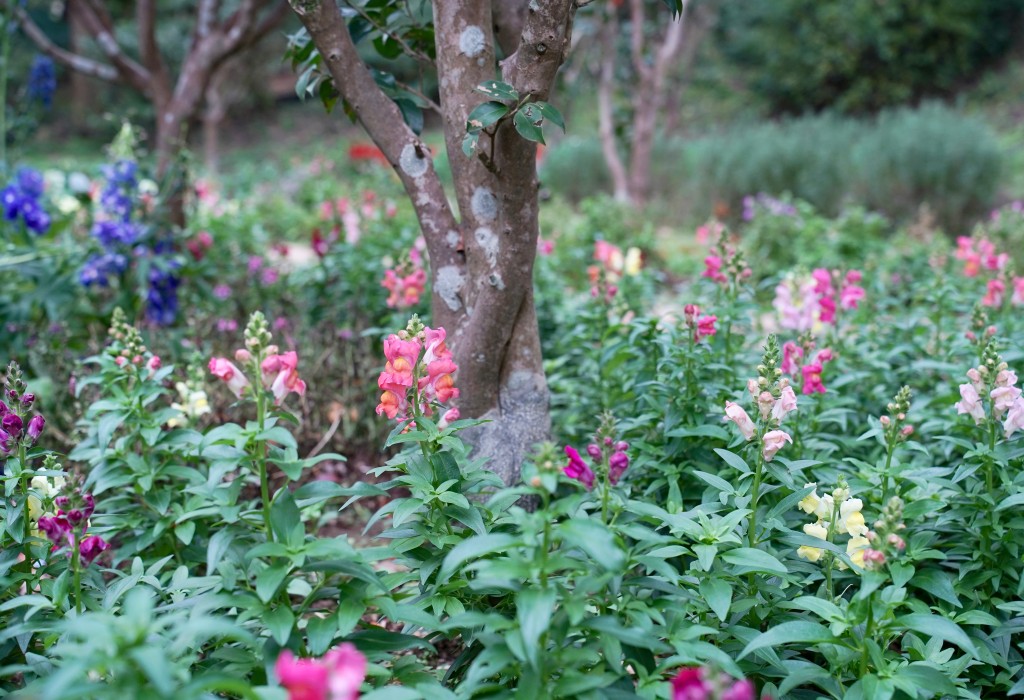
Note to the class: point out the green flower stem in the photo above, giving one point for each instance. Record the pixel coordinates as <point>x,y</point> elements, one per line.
<point>76,568</point>
<point>890,448</point>
<point>829,589</point>
<point>755,494</point>
<point>24,482</point>
<point>868,629</point>
<point>261,448</point>
<point>546,545</point>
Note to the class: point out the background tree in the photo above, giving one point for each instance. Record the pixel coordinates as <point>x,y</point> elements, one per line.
<point>482,257</point>
<point>216,36</point>
<point>639,46</point>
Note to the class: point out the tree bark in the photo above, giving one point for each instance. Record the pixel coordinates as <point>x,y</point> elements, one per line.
<point>482,263</point>
<point>606,108</point>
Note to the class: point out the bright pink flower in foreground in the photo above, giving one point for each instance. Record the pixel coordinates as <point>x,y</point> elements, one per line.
<point>90,548</point>
<point>774,440</point>
<point>697,683</point>
<point>224,369</point>
<point>577,469</point>
<point>335,676</point>
<point>735,413</point>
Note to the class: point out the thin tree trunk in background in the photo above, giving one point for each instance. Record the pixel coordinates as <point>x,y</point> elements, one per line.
<point>81,89</point>
<point>606,108</point>
<point>648,96</point>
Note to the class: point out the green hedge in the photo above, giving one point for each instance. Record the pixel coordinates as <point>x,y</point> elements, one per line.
<point>892,163</point>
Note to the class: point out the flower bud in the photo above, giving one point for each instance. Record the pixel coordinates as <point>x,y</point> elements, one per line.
<point>907,431</point>
<point>35,427</point>
<point>884,420</point>
<point>75,516</point>
<point>154,363</point>
<point>243,356</point>
<point>535,481</point>
<point>608,442</point>
<point>27,400</point>
<point>621,446</point>
<point>970,336</point>
<point>990,331</point>
<point>594,451</point>
<point>120,361</point>
<point>896,541</point>
<point>901,416</point>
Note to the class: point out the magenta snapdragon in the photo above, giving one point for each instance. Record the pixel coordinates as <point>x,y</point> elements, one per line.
<point>335,676</point>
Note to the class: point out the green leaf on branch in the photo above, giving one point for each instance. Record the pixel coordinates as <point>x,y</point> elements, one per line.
<point>528,122</point>
<point>550,113</point>
<point>787,633</point>
<point>484,115</point>
<point>498,90</point>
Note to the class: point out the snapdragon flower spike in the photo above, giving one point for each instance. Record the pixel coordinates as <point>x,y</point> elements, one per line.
<point>406,282</point>
<point>336,676</point>
<point>419,372</point>
<point>281,374</point>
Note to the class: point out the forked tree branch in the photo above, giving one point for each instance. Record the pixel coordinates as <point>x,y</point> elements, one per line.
<point>81,64</point>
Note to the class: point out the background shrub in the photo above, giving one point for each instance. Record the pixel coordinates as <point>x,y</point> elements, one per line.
<point>862,55</point>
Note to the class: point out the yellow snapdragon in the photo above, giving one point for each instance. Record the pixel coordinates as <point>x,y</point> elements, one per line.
<point>194,403</point>
<point>848,520</point>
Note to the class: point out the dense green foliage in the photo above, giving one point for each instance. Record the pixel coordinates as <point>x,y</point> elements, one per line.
<point>863,55</point>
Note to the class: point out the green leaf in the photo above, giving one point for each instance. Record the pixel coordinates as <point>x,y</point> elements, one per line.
<point>939,627</point>
<point>718,595</point>
<point>733,460</point>
<point>920,675</point>
<point>711,431</point>
<point>787,633</point>
<point>528,121</point>
<point>284,515</point>
<point>279,621</point>
<point>498,90</point>
<point>469,142</point>
<point>595,539</point>
<point>938,584</point>
<point>185,531</point>
<point>548,111</point>
<point>472,548</point>
<point>445,467</point>
<point>269,580</point>
<point>320,633</point>
<point>1011,501</point>
<point>484,115</point>
<point>533,611</point>
<point>392,692</point>
<point>749,559</point>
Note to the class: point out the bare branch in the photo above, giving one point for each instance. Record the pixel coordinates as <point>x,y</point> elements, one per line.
<point>206,17</point>
<point>97,23</point>
<point>636,37</point>
<point>149,49</point>
<point>508,17</point>
<point>83,65</point>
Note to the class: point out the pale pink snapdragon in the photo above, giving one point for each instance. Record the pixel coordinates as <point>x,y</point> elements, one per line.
<point>1014,418</point>
<point>785,404</point>
<point>281,373</point>
<point>736,413</point>
<point>970,403</point>
<point>995,292</point>
<point>797,304</point>
<point>1018,292</point>
<point>774,440</point>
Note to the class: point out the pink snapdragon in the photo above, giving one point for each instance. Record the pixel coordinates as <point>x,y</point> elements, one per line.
<point>713,269</point>
<point>970,403</point>
<point>796,301</point>
<point>812,378</point>
<point>68,528</point>
<point>803,303</point>
<point>1014,418</point>
<point>336,676</point>
<point>702,325</point>
<point>225,370</point>
<point>1018,292</point>
<point>737,414</point>
<point>785,404</point>
<point>774,440</point>
<point>577,469</point>
<point>995,292</point>
<point>281,374</point>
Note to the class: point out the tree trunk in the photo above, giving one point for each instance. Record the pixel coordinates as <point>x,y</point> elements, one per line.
<point>482,266</point>
<point>168,145</point>
<point>81,89</point>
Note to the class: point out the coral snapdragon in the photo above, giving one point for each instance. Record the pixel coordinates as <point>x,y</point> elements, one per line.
<point>419,373</point>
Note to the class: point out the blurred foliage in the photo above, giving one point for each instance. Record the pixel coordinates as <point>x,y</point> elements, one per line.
<point>893,163</point>
<point>861,55</point>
